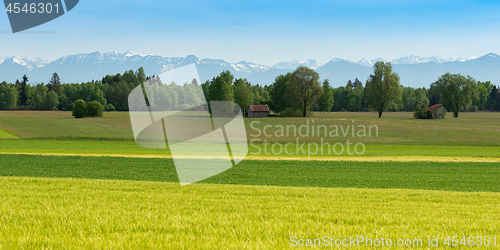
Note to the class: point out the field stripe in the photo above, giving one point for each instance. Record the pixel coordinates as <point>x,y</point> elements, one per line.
<point>413,158</point>
<point>6,135</point>
<point>450,176</point>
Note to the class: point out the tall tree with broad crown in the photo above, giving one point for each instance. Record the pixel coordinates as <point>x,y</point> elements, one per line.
<point>304,88</point>
<point>457,91</point>
<point>383,87</point>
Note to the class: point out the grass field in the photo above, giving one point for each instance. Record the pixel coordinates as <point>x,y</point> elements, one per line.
<point>470,135</point>
<point>96,189</point>
<point>451,176</point>
<point>470,129</point>
<point>61,125</point>
<point>5,135</point>
<point>125,148</point>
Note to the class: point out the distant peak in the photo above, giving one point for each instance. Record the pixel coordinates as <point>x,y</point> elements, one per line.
<point>192,58</point>
<point>413,59</point>
<point>293,64</point>
<point>491,55</point>
<point>365,62</point>
<point>339,60</point>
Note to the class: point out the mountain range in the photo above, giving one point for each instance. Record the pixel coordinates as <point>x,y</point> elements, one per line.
<point>413,70</point>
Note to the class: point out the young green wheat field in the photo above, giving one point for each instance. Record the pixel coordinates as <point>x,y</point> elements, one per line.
<point>69,183</point>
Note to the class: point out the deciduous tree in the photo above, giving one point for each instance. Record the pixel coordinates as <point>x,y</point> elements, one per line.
<point>51,100</point>
<point>221,88</point>
<point>383,87</point>
<point>278,92</point>
<point>243,94</point>
<point>456,91</point>
<point>79,109</point>
<point>8,96</point>
<point>94,109</point>
<point>304,88</point>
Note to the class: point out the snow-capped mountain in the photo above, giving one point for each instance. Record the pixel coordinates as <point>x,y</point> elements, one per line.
<point>27,62</point>
<point>417,59</point>
<point>365,62</point>
<point>242,66</point>
<point>85,67</point>
<point>413,70</point>
<point>414,60</point>
<point>489,57</point>
<point>461,59</point>
<point>294,64</point>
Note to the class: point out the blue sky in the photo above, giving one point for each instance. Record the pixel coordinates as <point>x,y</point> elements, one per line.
<point>265,32</point>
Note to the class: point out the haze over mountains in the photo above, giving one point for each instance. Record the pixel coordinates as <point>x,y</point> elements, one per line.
<point>414,71</point>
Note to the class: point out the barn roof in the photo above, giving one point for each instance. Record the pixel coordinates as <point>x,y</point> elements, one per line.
<point>433,107</point>
<point>259,108</point>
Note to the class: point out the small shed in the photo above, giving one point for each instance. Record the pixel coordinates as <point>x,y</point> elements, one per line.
<point>435,111</point>
<point>258,111</point>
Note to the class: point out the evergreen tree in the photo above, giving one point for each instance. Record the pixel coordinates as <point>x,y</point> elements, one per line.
<point>23,95</point>
<point>349,84</point>
<point>494,99</point>
<point>140,75</point>
<point>55,84</point>
<point>357,83</point>
<point>325,102</point>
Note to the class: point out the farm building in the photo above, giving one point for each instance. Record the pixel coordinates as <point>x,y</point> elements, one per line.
<point>258,111</point>
<point>435,111</point>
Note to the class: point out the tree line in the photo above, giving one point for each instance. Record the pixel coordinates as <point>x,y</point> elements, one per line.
<point>111,92</point>
<point>484,96</point>
<point>295,93</point>
<point>299,92</point>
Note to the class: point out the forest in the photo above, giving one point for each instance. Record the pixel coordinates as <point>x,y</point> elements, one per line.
<point>292,94</point>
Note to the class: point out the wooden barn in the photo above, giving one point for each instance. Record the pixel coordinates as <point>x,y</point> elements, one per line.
<point>258,111</point>
<point>435,111</point>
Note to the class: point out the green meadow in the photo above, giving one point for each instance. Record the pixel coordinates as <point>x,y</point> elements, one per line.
<point>444,176</point>
<point>394,128</point>
<point>69,183</point>
<point>128,148</point>
<point>471,135</point>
